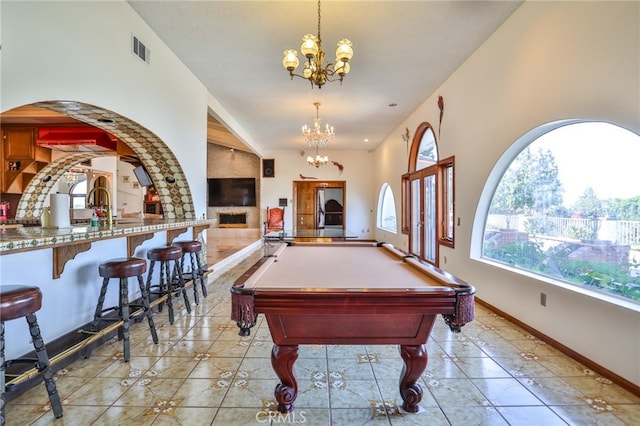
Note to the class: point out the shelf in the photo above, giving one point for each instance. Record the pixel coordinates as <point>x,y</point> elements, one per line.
<point>19,148</point>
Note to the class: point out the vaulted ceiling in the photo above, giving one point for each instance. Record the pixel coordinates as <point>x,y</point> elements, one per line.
<point>403,50</point>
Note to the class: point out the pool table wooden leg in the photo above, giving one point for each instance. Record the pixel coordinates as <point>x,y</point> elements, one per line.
<point>282,359</point>
<point>415,361</point>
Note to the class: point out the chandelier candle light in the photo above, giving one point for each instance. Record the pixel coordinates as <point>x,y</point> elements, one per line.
<point>72,176</point>
<point>314,68</point>
<point>317,138</point>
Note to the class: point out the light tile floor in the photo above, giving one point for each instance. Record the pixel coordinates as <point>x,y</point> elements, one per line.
<point>203,373</point>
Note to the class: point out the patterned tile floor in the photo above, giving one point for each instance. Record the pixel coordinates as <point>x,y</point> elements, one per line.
<point>203,373</point>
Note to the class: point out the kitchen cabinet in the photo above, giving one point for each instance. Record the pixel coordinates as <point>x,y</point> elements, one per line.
<point>19,143</point>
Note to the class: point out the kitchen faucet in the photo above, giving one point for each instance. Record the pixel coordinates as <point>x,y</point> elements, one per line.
<point>108,202</point>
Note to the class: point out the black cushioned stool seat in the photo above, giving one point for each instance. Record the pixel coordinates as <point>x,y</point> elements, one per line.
<point>167,286</point>
<point>123,269</point>
<point>193,249</point>
<point>21,301</point>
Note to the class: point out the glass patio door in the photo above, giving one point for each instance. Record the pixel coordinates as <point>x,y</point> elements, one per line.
<point>423,241</point>
<point>429,218</point>
<point>415,246</point>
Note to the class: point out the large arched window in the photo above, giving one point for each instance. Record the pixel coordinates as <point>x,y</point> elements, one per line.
<point>565,204</point>
<point>387,209</point>
<point>428,197</point>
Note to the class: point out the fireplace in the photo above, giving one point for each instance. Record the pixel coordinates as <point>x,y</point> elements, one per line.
<point>232,220</point>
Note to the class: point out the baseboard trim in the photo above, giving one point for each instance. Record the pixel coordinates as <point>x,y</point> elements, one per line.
<point>604,372</point>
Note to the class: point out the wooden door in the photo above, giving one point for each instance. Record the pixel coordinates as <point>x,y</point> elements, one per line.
<point>305,205</point>
<point>305,201</point>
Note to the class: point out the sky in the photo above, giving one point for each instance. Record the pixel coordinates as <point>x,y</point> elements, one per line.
<point>609,159</point>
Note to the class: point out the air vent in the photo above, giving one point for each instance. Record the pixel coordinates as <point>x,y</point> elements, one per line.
<point>140,50</point>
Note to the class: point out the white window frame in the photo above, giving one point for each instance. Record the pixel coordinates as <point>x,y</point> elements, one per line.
<point>385,190</point>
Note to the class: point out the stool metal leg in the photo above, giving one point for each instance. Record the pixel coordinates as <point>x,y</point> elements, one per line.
<point>179,279</point>
<point>125,315</point>
<point>2,402</point>
<point>98,313</point>
<point>165,286</point>
<point>194,278</point>
<point>149,286</point>
<point>147,309</point>
<point>201,276</point>
<point>196,297</point>
<point>44,366</point>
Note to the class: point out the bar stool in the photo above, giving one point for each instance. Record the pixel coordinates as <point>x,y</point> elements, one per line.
<point>17,301</point>
<point>123,269</point>
<point>193,249</point>
<point>166,286</point>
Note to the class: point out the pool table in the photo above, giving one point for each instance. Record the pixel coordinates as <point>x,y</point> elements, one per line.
<point>348,294</point>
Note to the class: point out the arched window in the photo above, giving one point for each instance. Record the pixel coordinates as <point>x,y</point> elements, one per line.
<point>427,154</point>
<point>565,204</point>
<point>78,192</point>
<point>387,209</point>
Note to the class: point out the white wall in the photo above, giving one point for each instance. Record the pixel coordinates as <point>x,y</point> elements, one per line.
<point>81,51</point>
<point>549,61</point>
<point>360,203</point>
<point>130,199</point>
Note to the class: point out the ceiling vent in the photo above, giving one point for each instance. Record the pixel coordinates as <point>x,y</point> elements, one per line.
<point>140,50</point>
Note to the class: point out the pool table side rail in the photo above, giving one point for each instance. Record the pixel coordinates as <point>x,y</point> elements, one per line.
<point>465,306</point>
<point>454,300</point>
<point>440,276</point>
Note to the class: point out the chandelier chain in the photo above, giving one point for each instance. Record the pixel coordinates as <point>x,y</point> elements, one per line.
<point>319,37</point>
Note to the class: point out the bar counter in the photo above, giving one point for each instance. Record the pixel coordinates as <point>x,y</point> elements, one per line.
<point>64,264</point>
<point>68,242</point>
<point>35,237</point>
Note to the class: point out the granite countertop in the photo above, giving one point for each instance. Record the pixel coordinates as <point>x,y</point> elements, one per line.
<point>36,237</point>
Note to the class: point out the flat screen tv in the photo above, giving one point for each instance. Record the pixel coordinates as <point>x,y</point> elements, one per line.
<point>143,177</point>
<point>228,192</point>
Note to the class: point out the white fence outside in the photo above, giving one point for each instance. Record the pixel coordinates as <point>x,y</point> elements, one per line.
<point>625,232</point>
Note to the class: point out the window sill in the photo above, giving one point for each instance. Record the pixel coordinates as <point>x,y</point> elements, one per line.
<point>393,231</point>
<point>614,300</point>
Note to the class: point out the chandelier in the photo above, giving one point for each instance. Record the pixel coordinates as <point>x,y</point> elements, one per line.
<point>317,137</point>
<point>314,68</point>
<point>72,177</point>
<point>318,160</point>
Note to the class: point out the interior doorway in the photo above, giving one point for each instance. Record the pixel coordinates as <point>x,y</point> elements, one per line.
<point>319,204</point>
